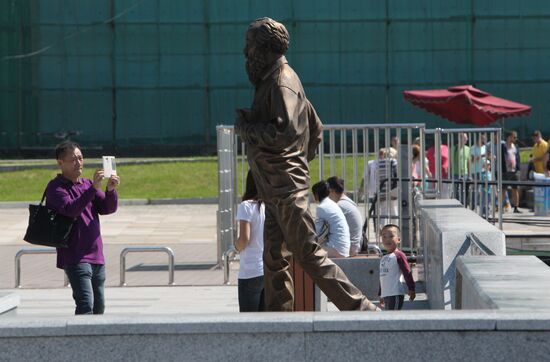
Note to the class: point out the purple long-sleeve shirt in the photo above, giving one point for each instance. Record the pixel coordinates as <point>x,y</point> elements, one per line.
<point>83,202</point>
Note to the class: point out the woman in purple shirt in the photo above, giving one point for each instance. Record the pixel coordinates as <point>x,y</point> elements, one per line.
<point>82,199</point>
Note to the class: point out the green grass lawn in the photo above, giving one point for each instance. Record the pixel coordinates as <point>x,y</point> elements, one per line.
<point>166,180</point>
<point>150,181</point>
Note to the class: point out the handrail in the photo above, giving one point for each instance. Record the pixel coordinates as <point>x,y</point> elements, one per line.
<point>144,249</point>
<point>366,141</point>
<point>461,130</point>
<point>22,252</point>
<point>229,256</point>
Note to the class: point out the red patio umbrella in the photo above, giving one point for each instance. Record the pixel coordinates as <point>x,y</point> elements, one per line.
<point>466,105</point>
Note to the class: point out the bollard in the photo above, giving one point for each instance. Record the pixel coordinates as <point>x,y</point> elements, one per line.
<point>145,249</point>
<point>229,256</point>
<point>22,252</point>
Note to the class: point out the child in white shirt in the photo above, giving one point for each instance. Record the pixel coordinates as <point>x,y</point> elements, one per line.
<point>393,269</point>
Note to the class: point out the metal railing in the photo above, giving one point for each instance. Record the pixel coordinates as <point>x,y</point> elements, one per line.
<point>146,249</point>
<point>366,142</point>
<point>229,256</point>
<point>345,152</point>
<point>227,189</point>
<point>22,252</point>
<point>480,186</point>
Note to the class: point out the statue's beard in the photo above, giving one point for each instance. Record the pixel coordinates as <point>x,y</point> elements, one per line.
<point>256,67</point>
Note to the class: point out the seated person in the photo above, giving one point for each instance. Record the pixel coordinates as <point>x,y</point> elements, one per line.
<point>350,210</point>
<point>330,214</point>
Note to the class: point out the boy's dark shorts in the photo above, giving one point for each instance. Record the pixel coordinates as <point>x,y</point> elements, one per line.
<point>511,176</point>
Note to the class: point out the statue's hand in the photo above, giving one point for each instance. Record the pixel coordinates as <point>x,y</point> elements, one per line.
<point>242,116</point>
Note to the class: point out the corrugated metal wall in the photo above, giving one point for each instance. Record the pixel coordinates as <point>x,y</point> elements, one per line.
<point>14,38</point>
<point>166,72</point>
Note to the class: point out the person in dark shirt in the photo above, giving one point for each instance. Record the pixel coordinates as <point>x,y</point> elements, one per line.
<point>84,200</point>
<point>282,132</point>
<point>511,167</point>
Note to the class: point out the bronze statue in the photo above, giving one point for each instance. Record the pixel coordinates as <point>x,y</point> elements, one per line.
<point>282,132</point>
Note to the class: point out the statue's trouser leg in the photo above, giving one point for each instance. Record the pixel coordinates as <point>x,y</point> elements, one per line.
<point>290,227</point>
<point>278,284</point>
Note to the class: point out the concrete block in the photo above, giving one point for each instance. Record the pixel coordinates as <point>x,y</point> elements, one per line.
<point>362,271</point>
<point>520,282</point>
<point>25,327</point>
<point>190,201</point>
<point>170,347</point>
<point>444,228</point>
<point>192,324</point>
<point>404,321</point>
<point>428,346</point>
<point>407,335</point>
<point>8,302</point>
<point>524,321</point>
<point>133,202</point>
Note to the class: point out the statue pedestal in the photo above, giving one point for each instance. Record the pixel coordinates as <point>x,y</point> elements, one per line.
<point>304,289</point>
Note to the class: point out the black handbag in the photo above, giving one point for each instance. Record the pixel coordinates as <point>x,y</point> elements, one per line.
<point>48,227</point>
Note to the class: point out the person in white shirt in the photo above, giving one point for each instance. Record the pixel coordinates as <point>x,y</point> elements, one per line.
<point>478,160</point>
<point>417,166</point>
<point>386,173</point>
<point>330,215</point>
<point>370,179</point>
<point>376,177</point>
<point>478,156</point>
<point>351,212</point>
<point>396,278</point>
<point>250,245</point>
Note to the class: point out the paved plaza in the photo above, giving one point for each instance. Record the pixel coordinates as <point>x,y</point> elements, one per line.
<point>189,230</point>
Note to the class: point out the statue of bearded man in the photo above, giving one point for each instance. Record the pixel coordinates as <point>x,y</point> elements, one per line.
<point>282,132</point>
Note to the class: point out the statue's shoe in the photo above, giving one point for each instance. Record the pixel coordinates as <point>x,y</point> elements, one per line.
<point>368,306</point>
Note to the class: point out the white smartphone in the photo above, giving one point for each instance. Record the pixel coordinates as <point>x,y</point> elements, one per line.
<point>109,166</point>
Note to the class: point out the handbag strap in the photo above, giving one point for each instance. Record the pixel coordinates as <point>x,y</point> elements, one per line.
<point>37,210</point>
<point>43,197</point>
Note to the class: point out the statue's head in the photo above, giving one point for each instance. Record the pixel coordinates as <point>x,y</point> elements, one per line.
<point>266,40</point>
